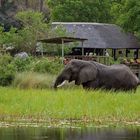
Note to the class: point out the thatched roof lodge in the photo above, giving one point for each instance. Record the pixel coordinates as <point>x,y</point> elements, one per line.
<point>102,36</point>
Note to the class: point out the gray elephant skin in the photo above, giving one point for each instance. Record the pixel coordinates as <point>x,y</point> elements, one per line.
<point>94,75</point>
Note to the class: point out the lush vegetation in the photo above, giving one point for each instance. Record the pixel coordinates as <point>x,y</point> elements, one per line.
<point>11,67</point>
<point>80,10</point>
<point>70,104</point>
<point>126,13</point>
<point>38,73</point>
<point>7,70</point>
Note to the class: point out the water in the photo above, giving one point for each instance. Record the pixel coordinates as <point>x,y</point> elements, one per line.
<point>32,133</point>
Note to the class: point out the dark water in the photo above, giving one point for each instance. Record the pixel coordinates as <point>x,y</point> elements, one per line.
<point>28,133</point>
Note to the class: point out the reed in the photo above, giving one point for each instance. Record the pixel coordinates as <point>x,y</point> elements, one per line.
<point>69,104</point>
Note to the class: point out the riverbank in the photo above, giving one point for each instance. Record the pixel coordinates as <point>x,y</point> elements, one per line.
<point>69,106</point>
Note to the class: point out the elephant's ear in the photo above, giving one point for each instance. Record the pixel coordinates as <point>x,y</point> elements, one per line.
<point>86,74</point>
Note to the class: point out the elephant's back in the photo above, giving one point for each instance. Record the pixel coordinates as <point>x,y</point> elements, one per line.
<point>119,76</point>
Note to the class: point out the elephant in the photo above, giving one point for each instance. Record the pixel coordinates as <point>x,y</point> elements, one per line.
<point>94,75</point>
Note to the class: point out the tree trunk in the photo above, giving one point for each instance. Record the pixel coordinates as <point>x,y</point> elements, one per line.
<point>2,2</point>
<point>41,5</point>
<point>26,3</point>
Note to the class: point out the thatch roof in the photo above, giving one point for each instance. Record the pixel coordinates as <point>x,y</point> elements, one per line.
<point>60,40</point>
<point>101,35</point>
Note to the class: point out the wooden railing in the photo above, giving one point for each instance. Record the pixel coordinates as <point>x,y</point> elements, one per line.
<point>135,68</point>
<point>101,59</point>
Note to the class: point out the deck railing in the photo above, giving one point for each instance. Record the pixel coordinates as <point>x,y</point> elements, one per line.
<point>101,59</point>
<point>135,68</point>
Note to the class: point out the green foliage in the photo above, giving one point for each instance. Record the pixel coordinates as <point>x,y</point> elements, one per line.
<point>9,38</point>
<point>80,10</point>
<point>31,19</point>
<point>40,65</point>
<point>34,29</point>
<point>45,65</point>
<point>22,64</point>
<point>7,70</point>
<point>11,66</point>
<point>127,15</point>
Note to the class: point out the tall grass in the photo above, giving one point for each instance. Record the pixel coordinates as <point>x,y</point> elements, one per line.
<point>34,80</point>
<point>28,80</point>
<point>72,104</point>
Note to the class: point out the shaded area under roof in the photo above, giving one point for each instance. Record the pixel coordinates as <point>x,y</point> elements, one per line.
<point>60,40</point>
<point>101,35</point>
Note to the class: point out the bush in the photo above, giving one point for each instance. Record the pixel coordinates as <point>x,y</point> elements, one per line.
<point>22,64</point>
<point>52,66</point>
<point>10,66</point>
<point>7,70</point>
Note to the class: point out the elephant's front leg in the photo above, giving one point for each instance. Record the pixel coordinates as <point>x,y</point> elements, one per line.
<point>91,85</point>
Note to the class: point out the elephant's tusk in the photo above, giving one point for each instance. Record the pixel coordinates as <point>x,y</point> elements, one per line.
<point>61,84</point>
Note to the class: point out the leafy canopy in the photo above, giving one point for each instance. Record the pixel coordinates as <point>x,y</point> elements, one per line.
<point>80,10</point>
<point>127,14</point>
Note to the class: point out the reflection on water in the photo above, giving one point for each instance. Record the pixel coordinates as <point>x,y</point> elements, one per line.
<point>27,133</point>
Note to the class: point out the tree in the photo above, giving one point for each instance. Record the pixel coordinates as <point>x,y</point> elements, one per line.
<point>34,29</point>
<point>80,10</point>
<point>25,39</point>
<point>127,15</point>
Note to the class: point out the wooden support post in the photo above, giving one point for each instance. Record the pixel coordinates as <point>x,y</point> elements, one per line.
<point>62,51</point>
<point>114,53</point>
<point>82,49</point>
<point>139,73</point>
<point>137,53</point>
<point>126,53</point>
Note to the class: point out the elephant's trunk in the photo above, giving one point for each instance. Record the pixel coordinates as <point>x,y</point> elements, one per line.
<point>65,75</point>
<point>59,82</point>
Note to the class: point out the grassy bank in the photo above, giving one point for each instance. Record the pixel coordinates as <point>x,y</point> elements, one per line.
<point>69,104</point>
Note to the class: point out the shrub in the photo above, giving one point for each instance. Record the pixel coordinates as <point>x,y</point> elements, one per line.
<point>7,70</point>
<point>52,66</point>
<point>22,64</point>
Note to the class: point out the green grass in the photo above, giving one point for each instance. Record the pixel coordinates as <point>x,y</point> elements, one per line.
<point>71,104</point>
